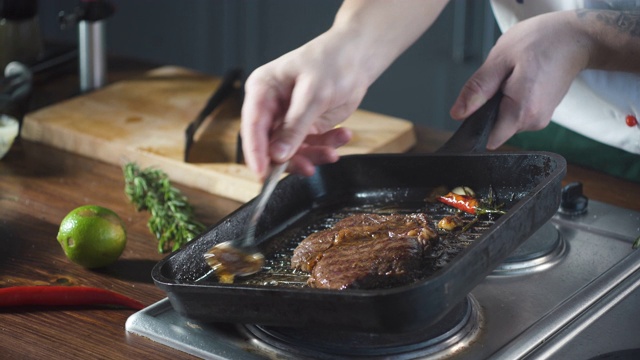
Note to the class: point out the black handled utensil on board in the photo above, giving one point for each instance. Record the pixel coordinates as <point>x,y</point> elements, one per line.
<point>226,88</point>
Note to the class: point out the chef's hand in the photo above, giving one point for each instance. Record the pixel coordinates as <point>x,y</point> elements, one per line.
<point>533,64</point>
<point>293,104</point>
<point>535,61</point>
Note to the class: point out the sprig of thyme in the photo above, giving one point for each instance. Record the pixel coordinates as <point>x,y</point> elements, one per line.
<point>172,220</point>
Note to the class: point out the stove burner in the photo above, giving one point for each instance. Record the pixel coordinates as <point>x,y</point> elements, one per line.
<point>545,248</point>
<point>451,334</point>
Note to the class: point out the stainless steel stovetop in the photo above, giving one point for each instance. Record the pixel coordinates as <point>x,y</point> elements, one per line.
<point>571,291</point>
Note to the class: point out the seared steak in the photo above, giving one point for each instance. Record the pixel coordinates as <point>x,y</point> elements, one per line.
<point>366,251</point>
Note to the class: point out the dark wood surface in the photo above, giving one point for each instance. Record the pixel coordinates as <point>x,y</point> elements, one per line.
<point>39,185</point>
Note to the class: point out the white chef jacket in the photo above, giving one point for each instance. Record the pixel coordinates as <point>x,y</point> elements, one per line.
<point>598,102</point>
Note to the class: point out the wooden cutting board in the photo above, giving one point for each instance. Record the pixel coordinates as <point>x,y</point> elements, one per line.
<point>144,119</point>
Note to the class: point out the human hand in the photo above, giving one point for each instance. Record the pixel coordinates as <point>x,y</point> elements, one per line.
<point>533,64</point>
<point>293,104</point>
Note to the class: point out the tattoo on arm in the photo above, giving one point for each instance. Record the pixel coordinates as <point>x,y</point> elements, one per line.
<point>627,22</point>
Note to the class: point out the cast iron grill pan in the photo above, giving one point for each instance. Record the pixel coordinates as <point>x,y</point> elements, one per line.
<point>527,183</point>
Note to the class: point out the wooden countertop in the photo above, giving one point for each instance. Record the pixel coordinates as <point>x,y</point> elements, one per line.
<point>39,185</point>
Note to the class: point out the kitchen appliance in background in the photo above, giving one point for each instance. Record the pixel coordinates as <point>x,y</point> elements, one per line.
<point>20,36</point>
<point>90,16</point>
<point>15,90</point>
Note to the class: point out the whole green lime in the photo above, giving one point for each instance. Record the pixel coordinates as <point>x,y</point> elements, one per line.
<point>92,236</point>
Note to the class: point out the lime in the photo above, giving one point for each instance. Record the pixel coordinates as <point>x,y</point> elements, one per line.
<point>92,236</point>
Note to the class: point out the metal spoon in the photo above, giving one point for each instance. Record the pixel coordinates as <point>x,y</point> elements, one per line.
<point>240,256</point>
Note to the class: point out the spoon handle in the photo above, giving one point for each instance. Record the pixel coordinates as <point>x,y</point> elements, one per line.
<point>269,185</point>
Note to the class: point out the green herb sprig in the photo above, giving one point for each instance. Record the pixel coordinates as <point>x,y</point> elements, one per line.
<point>172,220</point>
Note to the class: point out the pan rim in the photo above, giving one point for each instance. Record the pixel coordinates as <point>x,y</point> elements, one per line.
<point>558,171</point>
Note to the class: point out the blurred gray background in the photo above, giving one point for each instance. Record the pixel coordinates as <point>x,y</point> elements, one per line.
<point>214,35</point>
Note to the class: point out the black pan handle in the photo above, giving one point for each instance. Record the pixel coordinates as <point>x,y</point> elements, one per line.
<point>473,134</point>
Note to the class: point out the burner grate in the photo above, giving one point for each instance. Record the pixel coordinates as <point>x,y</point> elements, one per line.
<point>456,330</point>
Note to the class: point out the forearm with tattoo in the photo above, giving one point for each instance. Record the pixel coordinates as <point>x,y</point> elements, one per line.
<point>626,22</point>
<point>616,35</point>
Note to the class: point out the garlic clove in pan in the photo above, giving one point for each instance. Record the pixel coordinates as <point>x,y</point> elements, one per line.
<point>464,190</point>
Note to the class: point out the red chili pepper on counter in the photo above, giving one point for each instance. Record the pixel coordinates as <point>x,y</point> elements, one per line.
<point>465,203</point>
<point>64,296</point>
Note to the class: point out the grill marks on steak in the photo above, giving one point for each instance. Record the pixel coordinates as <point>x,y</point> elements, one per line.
<point>366,251</point>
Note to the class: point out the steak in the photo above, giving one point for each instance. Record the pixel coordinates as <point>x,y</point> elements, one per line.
<point>366,251</point>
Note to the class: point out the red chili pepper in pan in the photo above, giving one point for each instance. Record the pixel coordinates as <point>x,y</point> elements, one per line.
<point>64,296</point>
<point>465,203</point>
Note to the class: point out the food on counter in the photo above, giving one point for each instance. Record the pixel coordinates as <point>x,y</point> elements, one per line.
<point>366,251</point>
<point>92,236</point>
<point>9,128</point>
<point>45,295</point>
<point>172,220</point>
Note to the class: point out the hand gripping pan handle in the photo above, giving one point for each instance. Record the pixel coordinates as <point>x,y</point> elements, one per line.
<point>473,134</point>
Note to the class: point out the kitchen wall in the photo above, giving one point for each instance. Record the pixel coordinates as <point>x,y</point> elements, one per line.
<point>214,35</point>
